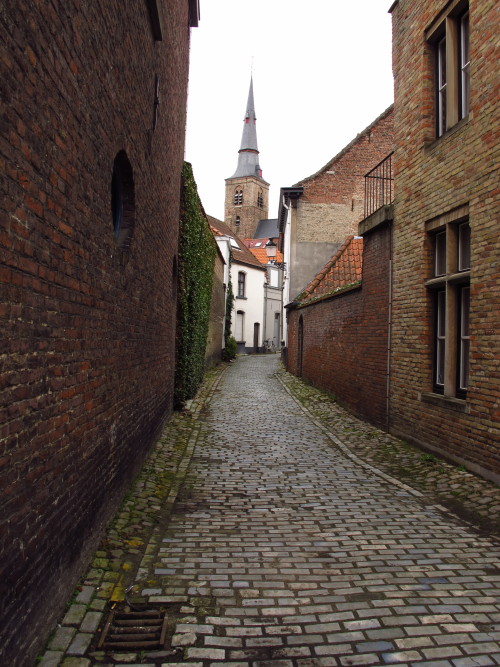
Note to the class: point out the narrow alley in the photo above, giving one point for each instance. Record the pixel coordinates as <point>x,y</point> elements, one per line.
<point>283,550</point>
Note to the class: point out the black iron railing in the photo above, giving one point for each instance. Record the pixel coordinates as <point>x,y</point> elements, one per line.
<point>379,186</point>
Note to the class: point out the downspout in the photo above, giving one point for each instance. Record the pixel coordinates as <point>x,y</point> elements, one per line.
<point>389,329</point>
<point>264,337</point>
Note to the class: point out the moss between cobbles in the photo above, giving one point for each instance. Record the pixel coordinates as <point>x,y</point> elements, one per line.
<point>470,497</point>
<point>129,538</point>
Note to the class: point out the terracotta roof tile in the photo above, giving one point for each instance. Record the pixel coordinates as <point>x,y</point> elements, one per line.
<point>242,254</point>
<point>343,270</point>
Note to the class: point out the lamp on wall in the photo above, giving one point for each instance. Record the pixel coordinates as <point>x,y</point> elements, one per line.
<point>271,250</point>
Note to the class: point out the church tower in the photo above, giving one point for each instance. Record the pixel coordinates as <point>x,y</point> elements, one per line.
<point>247,193</point>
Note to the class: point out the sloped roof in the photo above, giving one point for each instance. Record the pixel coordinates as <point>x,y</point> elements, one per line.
<point>239,252</point>
<point>357,138</point>
<point>267,229</point>
<point>342,271</point>
<point>261,255</point>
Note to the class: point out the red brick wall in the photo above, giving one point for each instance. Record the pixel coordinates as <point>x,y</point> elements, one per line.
<point>88,334</point>
<point>434,176</point>
<point>342,181</point>
<point>345,337</point>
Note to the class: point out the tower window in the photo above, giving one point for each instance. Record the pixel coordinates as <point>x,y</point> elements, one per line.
<point>238,198</point>
<point>260,199</point>
<point>237,221</point>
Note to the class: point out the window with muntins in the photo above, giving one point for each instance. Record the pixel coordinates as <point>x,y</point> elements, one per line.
<point>450,291</point>
<point>449,37</point>
<point>241,284</point>
<point>238,198</point>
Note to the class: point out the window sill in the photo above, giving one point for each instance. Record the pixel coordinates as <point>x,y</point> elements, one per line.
<point>433,143</point>
<point>449,402</point>
<point>455,278</point>
<point>243,298</point>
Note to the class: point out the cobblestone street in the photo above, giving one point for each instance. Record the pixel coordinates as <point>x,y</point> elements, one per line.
<point>271,537</point>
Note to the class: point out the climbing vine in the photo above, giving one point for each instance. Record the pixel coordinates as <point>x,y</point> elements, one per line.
<point>197,250</point>
<point>230,346</point>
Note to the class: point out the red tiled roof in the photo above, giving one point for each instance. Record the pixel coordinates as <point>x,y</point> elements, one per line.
<point>258,248</point>
<point>241,254</point>
<point>343,270</point>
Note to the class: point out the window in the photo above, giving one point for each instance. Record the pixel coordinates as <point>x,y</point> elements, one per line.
<point>450,292</point>
<point>241,284</point>
<point>449,37</point>
<point>238,198</point>
<point>464,65</point>
<point>237,221</point>
<point>260,199</point>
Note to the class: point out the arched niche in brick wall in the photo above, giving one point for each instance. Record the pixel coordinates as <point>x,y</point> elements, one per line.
<point>122,200</point>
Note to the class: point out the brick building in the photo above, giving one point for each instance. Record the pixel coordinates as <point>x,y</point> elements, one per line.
<point>247,193</point>
<point>91,166</point>
<point>327,206</point>
<point>430,277</point>
<point>338,326</point>
<point>445,365</point>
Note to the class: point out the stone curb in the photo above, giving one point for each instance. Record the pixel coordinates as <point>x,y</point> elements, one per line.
<point>488,513</point>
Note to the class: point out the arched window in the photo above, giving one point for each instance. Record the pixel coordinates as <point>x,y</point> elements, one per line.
<point>241,283</point>
<point>238,198</point>
<point>122,200</point>
<point>260,199</point>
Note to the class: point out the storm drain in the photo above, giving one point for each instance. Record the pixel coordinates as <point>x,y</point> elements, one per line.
<point>134,629</point>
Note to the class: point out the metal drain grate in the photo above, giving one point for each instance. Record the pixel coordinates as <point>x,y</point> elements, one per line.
<point>134,629</point>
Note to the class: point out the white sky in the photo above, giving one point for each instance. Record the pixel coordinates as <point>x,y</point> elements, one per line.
<point>322,73</point>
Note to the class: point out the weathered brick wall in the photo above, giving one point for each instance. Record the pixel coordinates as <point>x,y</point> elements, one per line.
<point>332,204</point>
<point>88,333</point>
<point>213,351</point>
<point>345,337</point>
<point>434,176</point>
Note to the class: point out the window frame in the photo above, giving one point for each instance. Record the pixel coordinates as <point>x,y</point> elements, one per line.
<point>451,333</point>
<point>242,279</point>
<point>449,38</point>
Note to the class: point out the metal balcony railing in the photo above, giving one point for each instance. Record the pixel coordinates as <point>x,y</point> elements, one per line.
<point>379,186</point>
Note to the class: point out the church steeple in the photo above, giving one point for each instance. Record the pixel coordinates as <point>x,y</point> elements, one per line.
<point>247,193</point>
<point>248,155</point>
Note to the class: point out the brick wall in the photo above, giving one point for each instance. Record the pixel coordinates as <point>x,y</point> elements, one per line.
<point>434,177</point>
<point>332,204</point>
<point>249,213</point>
<point>88,330</point>
<point>345,337</point>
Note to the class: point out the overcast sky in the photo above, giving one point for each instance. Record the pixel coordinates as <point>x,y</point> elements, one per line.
<point>322,73</point>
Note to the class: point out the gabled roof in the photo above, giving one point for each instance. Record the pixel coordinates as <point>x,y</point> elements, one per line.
<point>342,271</point>
<point>239,252</point>
<point>357,138</point>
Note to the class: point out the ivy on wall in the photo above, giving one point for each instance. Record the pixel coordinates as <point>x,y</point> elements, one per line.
<point>197,250</point>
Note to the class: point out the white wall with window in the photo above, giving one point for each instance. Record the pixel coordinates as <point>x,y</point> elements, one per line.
<point>248,285</point>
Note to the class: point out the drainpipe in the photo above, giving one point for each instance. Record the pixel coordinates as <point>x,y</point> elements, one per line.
<point>389,330</point>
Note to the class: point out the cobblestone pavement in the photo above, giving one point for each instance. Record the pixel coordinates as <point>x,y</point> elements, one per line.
<point>271,543</point>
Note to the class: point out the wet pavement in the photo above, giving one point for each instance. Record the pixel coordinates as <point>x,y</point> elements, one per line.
<point>271,529</point>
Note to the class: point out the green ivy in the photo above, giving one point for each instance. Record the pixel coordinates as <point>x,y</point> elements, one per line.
<point>197,251</point>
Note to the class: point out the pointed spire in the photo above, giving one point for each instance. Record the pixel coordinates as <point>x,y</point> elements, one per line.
<point>248,158</point>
